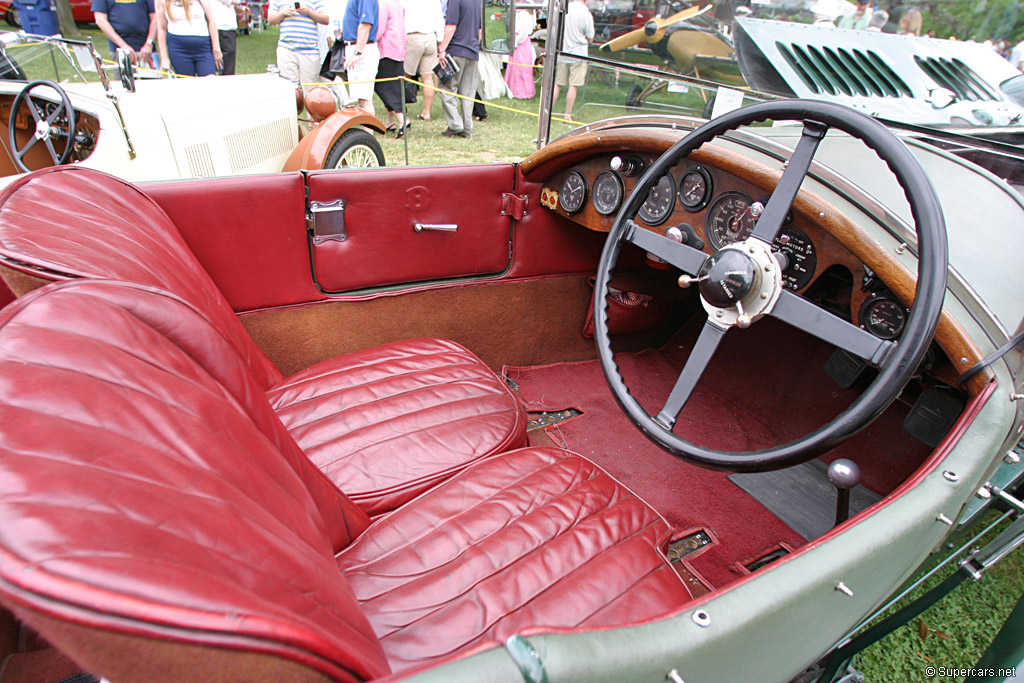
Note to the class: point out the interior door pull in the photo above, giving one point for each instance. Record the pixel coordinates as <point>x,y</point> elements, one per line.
<point>446,227</point>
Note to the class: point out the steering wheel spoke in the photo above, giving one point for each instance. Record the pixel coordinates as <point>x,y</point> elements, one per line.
<point>805,315</point>
<point>683,257</point>
<point>774,215</point>
<point>707,343</point>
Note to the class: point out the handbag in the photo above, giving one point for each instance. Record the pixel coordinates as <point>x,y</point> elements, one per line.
<point>334,61</point>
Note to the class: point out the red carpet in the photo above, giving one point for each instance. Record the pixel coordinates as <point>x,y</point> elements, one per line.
<point>765,386</point>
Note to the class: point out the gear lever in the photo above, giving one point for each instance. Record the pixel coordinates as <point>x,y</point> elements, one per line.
<point>844,475</point>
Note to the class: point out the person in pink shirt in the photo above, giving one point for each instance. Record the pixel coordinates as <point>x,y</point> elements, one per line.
<point>391,40</point>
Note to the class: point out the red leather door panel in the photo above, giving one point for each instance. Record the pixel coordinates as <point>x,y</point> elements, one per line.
<point>381,208</point>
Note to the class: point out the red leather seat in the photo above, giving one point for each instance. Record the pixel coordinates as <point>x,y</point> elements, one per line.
<point>386,423</point>
<point>158,522</point>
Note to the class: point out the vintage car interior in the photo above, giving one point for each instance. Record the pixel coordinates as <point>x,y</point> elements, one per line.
<point>653,387</point>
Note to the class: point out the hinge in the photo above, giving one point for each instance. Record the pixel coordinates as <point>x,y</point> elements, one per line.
<point>513,205</point>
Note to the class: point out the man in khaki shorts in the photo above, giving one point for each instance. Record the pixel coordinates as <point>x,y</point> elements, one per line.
<point>579,31</point>
<point>424,25</point>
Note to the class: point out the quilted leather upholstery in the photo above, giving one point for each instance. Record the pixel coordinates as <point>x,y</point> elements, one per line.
<point>388,423</point>
<point>72,221</point>
<point>385,424</point>
<point>146,492</point>
<point>138,491</point>
<point>536,537</point>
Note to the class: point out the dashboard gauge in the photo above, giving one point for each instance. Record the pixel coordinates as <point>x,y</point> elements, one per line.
<point>801,257</point>
<point>660,202</point>
<point>573,192</point>
<point>695,189</point>
<point>883,315</point>
<point>607,193</point>
<point>729,219</point>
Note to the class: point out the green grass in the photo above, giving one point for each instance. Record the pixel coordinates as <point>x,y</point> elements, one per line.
<point>952,634</point>
<point>956,632</point>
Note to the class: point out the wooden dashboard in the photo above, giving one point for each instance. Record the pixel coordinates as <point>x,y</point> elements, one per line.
<point>707,196</point>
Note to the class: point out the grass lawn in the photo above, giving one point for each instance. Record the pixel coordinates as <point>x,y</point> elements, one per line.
<point>953,634</point>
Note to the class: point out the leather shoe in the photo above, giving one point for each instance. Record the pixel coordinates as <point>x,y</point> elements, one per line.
<point>451,133</point>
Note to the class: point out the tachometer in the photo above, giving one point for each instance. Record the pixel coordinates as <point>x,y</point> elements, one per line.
<point>883,315</point>
<point>660,202</point>
<point>729,219</point>
<point>695,189</point>
<point>608,193</point>
<point>572,192</point>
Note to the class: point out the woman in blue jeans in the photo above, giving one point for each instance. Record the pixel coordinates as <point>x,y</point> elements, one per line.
<point>187,37</point>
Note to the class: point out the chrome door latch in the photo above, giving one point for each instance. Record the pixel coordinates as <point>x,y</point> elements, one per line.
<point>326,220</point>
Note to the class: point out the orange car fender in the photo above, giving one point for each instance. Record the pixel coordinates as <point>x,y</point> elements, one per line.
<point>311,151</point>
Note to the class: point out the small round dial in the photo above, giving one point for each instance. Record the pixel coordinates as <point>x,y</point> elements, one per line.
<point>660,202</point>
<point>883,315</point>
<point>607,193</point>
<point>800,256</point>
<point>729,219</point>
<point>573,192</point>
<point>695,189</point>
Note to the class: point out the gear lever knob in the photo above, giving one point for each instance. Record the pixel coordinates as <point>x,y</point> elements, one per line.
<point>844,475</point>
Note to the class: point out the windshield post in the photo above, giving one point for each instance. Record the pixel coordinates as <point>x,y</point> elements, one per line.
<point>552,45</point>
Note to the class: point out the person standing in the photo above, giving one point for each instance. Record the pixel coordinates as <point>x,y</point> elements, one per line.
<point>298,48</point>
<point>128,25</point>
<point>461,44</point>
<point>519,70</point>
<point>860,18</point>
<point>424,26</point>
<point>579,31</point>
<point>1017,56</point>
<point>391,39</point>
<point>187,36</point>
<point>359,31</point>
<point>227,32</point>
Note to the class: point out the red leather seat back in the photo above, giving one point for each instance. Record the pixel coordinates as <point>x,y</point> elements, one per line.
<point>115,424</point>
<point>71,221</point>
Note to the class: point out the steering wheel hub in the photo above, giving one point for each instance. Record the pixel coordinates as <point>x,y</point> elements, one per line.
<point>740,283</point>
<point>726,277</point>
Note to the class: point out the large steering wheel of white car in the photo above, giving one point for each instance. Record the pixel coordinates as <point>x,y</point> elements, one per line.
<point>741,283</point>
<point>49,120</point>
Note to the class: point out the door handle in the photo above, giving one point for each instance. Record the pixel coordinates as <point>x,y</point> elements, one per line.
<point>445,227</point>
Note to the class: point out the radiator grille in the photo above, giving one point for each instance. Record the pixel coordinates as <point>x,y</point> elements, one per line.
<point>843,72</point>
<point>956,76</point>
<point>254,145</point>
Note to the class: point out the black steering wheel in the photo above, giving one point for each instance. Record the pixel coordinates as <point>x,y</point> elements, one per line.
<point>51,119</point>
<point>741,283</point>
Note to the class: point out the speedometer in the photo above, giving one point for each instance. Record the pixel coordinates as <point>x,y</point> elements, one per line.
<point>729,219</point>
<point>660,202</point>
<point>607,193</point>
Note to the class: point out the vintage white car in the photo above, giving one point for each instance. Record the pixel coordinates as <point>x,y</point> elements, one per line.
<point>142,127</point>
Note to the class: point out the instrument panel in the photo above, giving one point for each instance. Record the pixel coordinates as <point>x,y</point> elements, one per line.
<point>717,208</point>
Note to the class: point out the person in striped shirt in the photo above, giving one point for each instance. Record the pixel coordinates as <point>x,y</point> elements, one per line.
<point>298,52</point>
